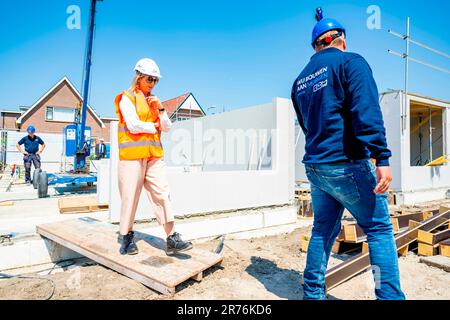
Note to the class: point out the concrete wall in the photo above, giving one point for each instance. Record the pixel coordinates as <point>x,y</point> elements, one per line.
<point>417,183</point>
<point>222,189</point>
<point>300,173</point>
<point>227,141</point>
<point>50,158</point>
<point>390,104</point>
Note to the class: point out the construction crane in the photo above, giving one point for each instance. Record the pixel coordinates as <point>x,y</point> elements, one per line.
<point>80,158</point>
<point>80,173</point>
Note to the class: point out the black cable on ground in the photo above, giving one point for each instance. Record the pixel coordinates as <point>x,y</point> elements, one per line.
<point>23,276</point>
<point>9,276</point>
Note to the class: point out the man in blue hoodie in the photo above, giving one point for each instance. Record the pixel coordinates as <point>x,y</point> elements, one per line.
<point>336,101</point>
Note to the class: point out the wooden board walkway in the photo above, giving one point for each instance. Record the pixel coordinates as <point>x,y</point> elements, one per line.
<point>152,267</point>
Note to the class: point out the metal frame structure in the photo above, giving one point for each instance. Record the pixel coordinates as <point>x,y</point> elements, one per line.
<point>406,55</point>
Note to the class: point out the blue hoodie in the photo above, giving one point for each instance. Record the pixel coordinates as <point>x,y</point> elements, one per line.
<point>336,101</point>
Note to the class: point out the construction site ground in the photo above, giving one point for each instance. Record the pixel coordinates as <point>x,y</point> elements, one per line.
<point>256,265</point>
<point>267,267</point>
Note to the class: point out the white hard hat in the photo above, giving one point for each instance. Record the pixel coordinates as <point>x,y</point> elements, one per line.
<point>149,67</point>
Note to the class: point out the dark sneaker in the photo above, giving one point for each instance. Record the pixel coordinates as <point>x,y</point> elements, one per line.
<point>127,244</point>
<point>28,182</point>
<point>175,244</point>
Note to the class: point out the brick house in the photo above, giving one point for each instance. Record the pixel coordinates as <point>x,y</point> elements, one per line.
<point>56,108</point>
<point>183,107</point>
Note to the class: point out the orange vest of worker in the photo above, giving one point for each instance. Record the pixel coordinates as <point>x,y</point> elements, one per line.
<point>141,145</point>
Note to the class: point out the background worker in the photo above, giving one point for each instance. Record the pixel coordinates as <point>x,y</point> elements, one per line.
<point>31,152</point>
<point>141,119</point>
<point>336,101</point>
<point>100,149</point>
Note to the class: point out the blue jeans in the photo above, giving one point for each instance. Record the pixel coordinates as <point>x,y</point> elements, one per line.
<point>350,185</point>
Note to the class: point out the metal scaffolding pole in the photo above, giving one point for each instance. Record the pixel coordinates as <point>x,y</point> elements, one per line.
<point>408,58</point>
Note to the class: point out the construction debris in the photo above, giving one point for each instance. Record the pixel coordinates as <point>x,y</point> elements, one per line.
<point>361,262</point>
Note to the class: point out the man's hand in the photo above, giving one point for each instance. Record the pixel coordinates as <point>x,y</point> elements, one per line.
<point>384,176</point>
<point>25,153</point>
<point>38,152</point>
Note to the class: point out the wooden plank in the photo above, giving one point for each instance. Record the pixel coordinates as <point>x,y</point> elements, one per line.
<point>361,262</point>
<point>152,267</point>
<point>339,246</point>
<point>6,203</point>
<point>444,248</point>
<point>198,277</point>
<point>413,224</point>
<point>80,204</point>
<point>304,242</point>
<point>403,251</point>
<point>433,238</point>
<point>305,206</point>
<point>365,247</point>
<point>427,249</point>
<point>353,233</point>
<point>402,220</point>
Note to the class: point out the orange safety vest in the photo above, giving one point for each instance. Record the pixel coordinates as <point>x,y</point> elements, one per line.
<point>133,146</point>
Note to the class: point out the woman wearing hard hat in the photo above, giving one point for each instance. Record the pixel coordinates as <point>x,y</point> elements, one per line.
<point>141,119</point>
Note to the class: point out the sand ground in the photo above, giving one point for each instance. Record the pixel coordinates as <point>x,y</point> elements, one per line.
<point>259,268</point>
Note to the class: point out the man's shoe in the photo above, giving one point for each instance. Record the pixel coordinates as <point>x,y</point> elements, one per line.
<point>28,182</point>
<point>127,244</point>
<point>175,244</point>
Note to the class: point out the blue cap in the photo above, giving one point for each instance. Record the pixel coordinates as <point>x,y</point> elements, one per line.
<point>324,25</point>
<point>31,129</point>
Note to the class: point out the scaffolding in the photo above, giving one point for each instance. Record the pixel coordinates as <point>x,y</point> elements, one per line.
<point>427,114</point>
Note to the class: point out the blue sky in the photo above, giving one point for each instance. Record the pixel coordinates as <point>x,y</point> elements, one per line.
<point>230,54</point>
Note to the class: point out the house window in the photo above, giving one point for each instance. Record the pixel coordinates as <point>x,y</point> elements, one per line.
<point>60,114</point>
<point>49,113</point>
<point>426,133</point>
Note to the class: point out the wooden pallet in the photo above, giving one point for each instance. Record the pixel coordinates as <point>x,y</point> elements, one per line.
<point>81,204</point>
<point>152,267</point>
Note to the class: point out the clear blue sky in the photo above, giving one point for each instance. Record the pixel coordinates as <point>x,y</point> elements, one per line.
<point>228,53</point>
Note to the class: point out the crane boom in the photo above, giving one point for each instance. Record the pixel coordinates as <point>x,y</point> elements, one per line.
<point>80,158</point>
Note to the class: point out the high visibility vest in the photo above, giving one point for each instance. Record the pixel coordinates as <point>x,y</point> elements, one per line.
<point>141,145</point>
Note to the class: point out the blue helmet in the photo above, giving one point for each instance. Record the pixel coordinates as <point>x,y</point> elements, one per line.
<point>31,129</point>
<point>324,25</point>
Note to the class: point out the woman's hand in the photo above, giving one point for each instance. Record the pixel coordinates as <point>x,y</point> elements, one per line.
<point>153,101</point>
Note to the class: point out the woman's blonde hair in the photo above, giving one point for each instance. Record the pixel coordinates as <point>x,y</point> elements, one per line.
<point>135,82</point>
